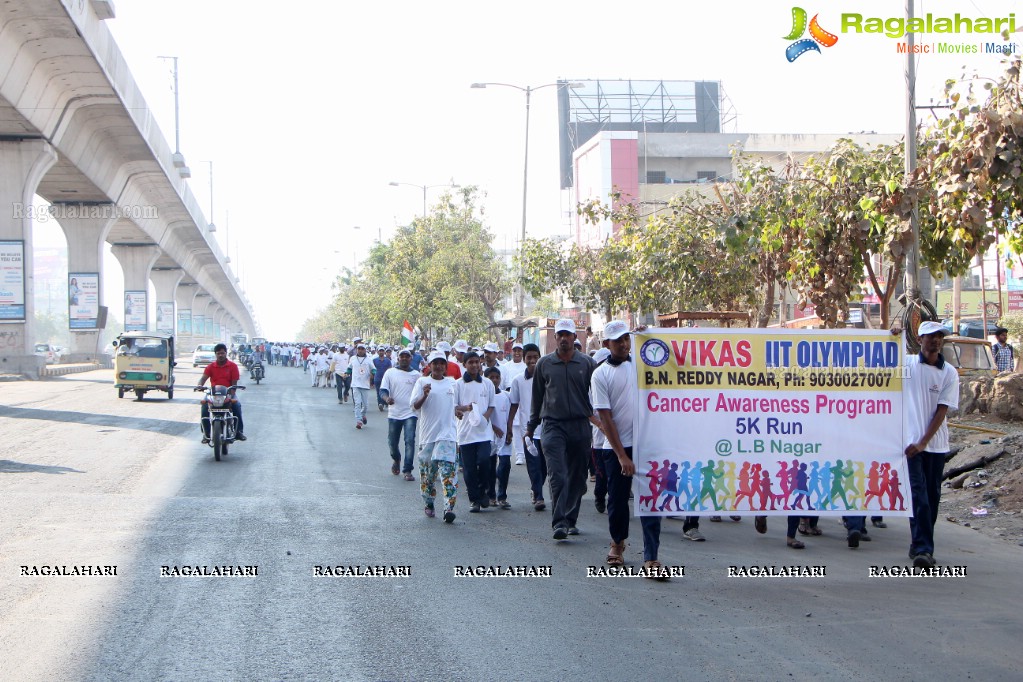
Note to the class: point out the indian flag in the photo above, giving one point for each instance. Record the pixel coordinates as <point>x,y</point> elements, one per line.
<point>407,335</point>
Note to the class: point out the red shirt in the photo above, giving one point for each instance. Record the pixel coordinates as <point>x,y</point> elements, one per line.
<point>452,371</point>
<point>226,375</point>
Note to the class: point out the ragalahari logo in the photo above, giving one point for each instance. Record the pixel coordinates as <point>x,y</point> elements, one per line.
<point>817,35</point>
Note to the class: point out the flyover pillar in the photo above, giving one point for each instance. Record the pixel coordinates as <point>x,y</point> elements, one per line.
<point>23,163</point>
<point>183,297</point>
<point>85,226</point>
<point>136,262</point>
<point>201,302</point>
<point>165,281</point>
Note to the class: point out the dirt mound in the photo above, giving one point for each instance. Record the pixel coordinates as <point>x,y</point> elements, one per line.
<point>1000,396</point>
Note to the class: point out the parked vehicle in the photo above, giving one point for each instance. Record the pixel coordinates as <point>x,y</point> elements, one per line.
<point>969,355</point>
<point>144,361</point>
<point>972,328</point>
<point>203,354</point>
<point>221,422</point>
<point>51,354</point>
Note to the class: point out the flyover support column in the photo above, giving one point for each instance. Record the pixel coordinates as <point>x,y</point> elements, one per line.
<point>183,298</point>
<point>199,305</point>
<point>165,281</point>
<point>85,226</point>
<point>136,261</point>
<point>23,163</point>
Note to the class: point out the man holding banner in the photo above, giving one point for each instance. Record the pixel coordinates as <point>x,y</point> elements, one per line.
<point>932,390</point>
<point>614,399</point>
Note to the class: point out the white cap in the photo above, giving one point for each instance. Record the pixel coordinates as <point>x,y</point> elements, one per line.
<point>491,347</point>
<point>361,345</point>
<point>516,345</point>
<point>444,347</point>
<point>564,325</point>
<point>930,328</point>
<point>461,346</point>
<point>405,351</point>
<point>601,354</point>
<point>615,329</point>
<point>436,355</point>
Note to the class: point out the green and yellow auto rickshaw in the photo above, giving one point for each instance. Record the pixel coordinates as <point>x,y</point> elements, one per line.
<point>144,361</point>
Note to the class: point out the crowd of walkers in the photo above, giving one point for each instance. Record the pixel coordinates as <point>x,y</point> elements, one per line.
<point>462,414</point>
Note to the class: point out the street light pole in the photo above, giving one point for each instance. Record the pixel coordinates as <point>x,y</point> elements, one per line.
<point>520,302</point>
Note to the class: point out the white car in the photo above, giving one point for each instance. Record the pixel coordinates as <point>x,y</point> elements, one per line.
<point>51,354</point>
<point>203,354</point>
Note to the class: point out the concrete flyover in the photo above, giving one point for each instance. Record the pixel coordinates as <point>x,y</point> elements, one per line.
<point>75,130</point>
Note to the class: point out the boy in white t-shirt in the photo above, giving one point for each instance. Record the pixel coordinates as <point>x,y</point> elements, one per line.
<point>474,404</point>
<point>500,449</point>
<point>396,392</point>
<point>521,396</point>
<point>433,399</point>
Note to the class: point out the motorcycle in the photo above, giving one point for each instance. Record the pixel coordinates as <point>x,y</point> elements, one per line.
<point>221,421</point>
<point>256,371</point>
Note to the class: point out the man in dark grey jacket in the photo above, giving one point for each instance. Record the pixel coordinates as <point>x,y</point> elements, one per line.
<point>561,399</point>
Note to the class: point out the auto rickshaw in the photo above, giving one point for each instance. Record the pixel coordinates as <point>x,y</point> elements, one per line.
<point>144,361</point>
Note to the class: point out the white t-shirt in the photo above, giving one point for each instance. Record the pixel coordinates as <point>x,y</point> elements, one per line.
<point>924,388</point>
<point>521,394</point>
<point>437,415</point>
<point>399,385</point>
<point>614,388</point>
<point>512,370</point>
<point>340,363</point>
<point>474,428</point>
<point>362,369</point>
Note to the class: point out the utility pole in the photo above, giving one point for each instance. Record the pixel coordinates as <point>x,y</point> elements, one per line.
<point>913,256</point>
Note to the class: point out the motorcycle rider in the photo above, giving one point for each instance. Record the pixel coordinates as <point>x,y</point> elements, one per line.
<point>256,361</point>
<point>223,372</point>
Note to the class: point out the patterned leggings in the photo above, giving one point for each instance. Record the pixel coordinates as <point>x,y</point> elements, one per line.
<point>448,471</point>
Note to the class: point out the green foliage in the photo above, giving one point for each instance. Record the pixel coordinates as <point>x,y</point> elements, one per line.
<point>970,178</point>
<point>1014,323</point>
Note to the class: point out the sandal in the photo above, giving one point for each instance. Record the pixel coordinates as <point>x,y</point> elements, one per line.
<point>794,544</point>
<point>655,570</point>
<point>614,555</point>
<point>804,527</point>
<point>814,530</point>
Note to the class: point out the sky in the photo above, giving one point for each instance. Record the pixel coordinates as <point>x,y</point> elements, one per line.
<point>308,110</point>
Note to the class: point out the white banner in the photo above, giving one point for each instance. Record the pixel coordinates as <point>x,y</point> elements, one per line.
<point>165,317</point>
<point>12,281</point>
<point>771,422</point>
<point>136,311</point>
<point>83,300</point>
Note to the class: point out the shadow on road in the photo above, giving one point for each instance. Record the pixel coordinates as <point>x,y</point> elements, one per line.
<point>161,425</point>
<point>10,467</point>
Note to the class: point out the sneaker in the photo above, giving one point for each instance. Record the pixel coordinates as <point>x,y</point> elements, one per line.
<point>760,523</point>
<point>879,524</point>
<point>864,537</point>
<point>694,534</point>
<point>365,421</point>
<point>538,505</point>
<point>205,440</point>
<point>429,512</point>
<point>240,436</point>
<point>409,477</point>
<point>358,425</point>
<point>503,504</point>
<point>394,468</point>
<point>449,516</point>
<point>560,533</point>
<point>735,518</point>
<point>520,460</point>
<point>489,503</point>
<point>572,530</point>
<point>716,519</point>
<point>600,504</point>
<point>474,508</point>
<point>923,560</point>
<point>854,539</point>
